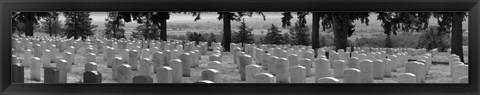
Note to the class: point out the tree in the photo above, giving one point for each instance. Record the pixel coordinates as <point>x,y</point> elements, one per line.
<point>341,22</point>
<point>243,35</point>
<point>315,30</point>
<point>227,17</point>
<point>51,24</point>
<point>195,37</point>
<point>452,21</point>
<point>26,20</point>
<point>273,36</point>
<point>406,21</point>
<point>152,21</point>
<point>432,38</point>
<point>141,31</point>
<point>299,34</point>
<point>114,25</point>
<point>211,38</point>
<point>78,24</point>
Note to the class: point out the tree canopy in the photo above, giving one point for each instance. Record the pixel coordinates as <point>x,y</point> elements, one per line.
<point>78,25</point>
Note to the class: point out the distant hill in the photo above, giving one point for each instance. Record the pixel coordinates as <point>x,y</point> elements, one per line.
<point>212,24</point>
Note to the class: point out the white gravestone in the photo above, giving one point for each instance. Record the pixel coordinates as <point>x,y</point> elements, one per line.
<point>282,70</point>
<point>145,67</point>
<point>328,80</point>
<point>35,71</point>
<point>407,78</point>
<point>272,64</point>
<point>158,59</point>
<point>338,67</point>
<point>176,65</point>
<point>91,66</point>
<point>307,63</point>
<point>366,68</point>
<point>351,75</point>
<point>117,61</point>
<point>293,60</point>
<point>133,59</point>
<point>125,73</point>
<point>251,71</point>
<point>215,65</point>
<point>378,69</point>
<point>265,78</point>
<point>244,60</point>
<point>212,75</point>
<point>186,63</point>
<point>460,71</point>
<point>322,67</point>
<point>62,71</point>
<point>352,62</point>
<point>463,79</point>
<point>416,68</point>
<point>297,74</point>
<point>388,68</point>
<point>90,57</point>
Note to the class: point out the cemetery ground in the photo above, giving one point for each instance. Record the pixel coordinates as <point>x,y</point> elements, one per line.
<point>438,73</point>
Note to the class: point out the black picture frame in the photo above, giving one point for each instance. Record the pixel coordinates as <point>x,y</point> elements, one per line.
<point>472,6</point>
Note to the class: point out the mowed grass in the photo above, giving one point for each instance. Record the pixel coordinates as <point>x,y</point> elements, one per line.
<point>438,73</point>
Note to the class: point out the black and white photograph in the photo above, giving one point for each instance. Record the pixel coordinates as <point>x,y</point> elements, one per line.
<point>62,47</point>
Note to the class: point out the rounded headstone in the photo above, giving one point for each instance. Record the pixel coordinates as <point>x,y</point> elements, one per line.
<point>407,78</point>
<point>264,78</point>
<point>328,80</point>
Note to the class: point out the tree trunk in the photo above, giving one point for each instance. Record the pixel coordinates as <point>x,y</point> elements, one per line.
<point>336,29</point>
<point>115,25</point>
<point>457,39</point>
<point>163,30</point>
<point>50,27</point>
<point>147,31</point>
<point>226,31</point>
<point>388,42</point>
<point>315,30</point>
<point>341,28</point>
<point>29,24</point>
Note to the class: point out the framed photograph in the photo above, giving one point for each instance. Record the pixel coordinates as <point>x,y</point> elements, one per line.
<point>339,47</point>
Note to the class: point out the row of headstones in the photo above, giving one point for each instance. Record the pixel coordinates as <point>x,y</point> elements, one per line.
<point>297,73</point>
<point>96,45</point>
<point>426,59</point>
<point>87,66</point>
<point>458,69</point>
<point>47,55</point>
<point>279,66</point>
<point>164,74</point>
<point>188,59</point>
<point>417,69</point>
<point>276,50</point>
<point>412,51</point>
<point>158,57</point>
<point>260,56</point>
<point>90,58</point>
<point>122,73</point>
<point>249,48</point>
<point>56,72</point>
